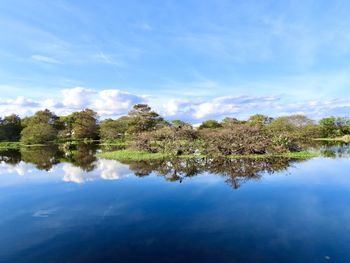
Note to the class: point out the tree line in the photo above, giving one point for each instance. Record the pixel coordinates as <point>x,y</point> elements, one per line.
<point>148,131</point>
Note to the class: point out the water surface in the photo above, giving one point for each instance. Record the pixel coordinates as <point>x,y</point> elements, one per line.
<point>68,206</point>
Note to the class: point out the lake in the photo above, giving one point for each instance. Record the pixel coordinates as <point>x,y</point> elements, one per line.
<point>69,206</point>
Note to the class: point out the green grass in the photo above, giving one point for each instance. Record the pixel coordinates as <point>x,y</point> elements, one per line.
<point>345,138</point>
<point>114,143</point>
<point>129,155</point>
<point>10,145</point>
<point>17,145</point>
<point>291,155</point>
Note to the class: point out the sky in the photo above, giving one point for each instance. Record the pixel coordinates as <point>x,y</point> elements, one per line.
<point>188,59</point>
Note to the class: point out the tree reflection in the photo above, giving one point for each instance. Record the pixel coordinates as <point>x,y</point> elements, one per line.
<point>235,171</point>
<point>43,157</point>
<point>10,156</point>
<point>238,171</point>
<point>81,155</point>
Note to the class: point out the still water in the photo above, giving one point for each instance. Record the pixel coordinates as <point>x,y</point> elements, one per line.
<point>60,205</point>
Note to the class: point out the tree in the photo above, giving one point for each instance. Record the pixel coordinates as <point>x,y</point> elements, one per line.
<point>291,123</point>
<point>241,139</point>
<point>210,124</point>
<point>180,124</point>
<point>84,125</point>
<point>65,124</point>
<point>38,134</point>
<point>10,128</point>
<point>332,126</point>
<point>259,120</point>
<point>298,126</point>
<point>142,119</point>
<point>229,121</point>
<point>114,129</point>
<point>169,140</point>
<point>44,116</point>
<point>41,128</point>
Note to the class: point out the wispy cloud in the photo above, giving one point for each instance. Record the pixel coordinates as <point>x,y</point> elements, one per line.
<point>45,59</point>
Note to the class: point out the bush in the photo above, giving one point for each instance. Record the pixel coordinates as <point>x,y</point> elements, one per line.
<point>242,139</point>
<point>168,140</point>
<point>38,134</point>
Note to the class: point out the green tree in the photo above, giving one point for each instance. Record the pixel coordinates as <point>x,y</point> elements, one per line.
<point>65,126</point>
<point>84,125</point>
<point>10,128</point>
<point>229,121</point>
<point>114,129</point>
<point>333,127</point>
<point>38,134</point>
<point>290,123</point>
<point>142,119</point>
<point>41,128</point>
<point>259,120</point>
<point>179,124</point>
<point>43,116</point>
<point>210,124</point>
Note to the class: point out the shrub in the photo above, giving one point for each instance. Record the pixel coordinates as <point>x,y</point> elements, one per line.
<point>168,140</point>
<point>242,139</point>
<point>38,133</point>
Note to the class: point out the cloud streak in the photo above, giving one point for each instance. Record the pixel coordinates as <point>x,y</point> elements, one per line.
<point>45,59</point>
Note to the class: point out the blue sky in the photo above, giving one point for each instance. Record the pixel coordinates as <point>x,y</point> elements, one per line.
<point>187,59</point>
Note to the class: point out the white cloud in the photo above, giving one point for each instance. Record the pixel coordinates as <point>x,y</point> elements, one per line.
<point>113,103</point>
<point>45,59</point>
<point>78,97</point>
<point>217,107</point>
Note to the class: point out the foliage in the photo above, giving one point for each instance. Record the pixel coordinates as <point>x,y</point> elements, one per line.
<point>259,120</point>
<point>44,116</point>
<point>170,140</point>
<point>242,139</point>
<point>10,128</point>
<point>179,123</point>
<point>142,119</point>
<point>334,127</point>
<point>65,124</point>
<point>41,128</point>
<point>297,127</point>
<point>84,125</point>
<point>230,122</point>
<point>114,129</point>
<point>38,134</point>
<point>210,124</point>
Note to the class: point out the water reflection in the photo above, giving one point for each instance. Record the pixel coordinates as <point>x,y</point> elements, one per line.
<point>81,155</point>
<point>298,218</point>
<point>235,171</point>
<point>78,164</point>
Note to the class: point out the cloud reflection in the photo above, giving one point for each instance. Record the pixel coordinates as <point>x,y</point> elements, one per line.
<point>105,170</point>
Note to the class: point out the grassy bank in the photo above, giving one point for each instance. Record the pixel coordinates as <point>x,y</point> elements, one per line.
<point>128,155</point>
<point>345,138</point>
<point>9,145</point>
<point>17,145</point>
